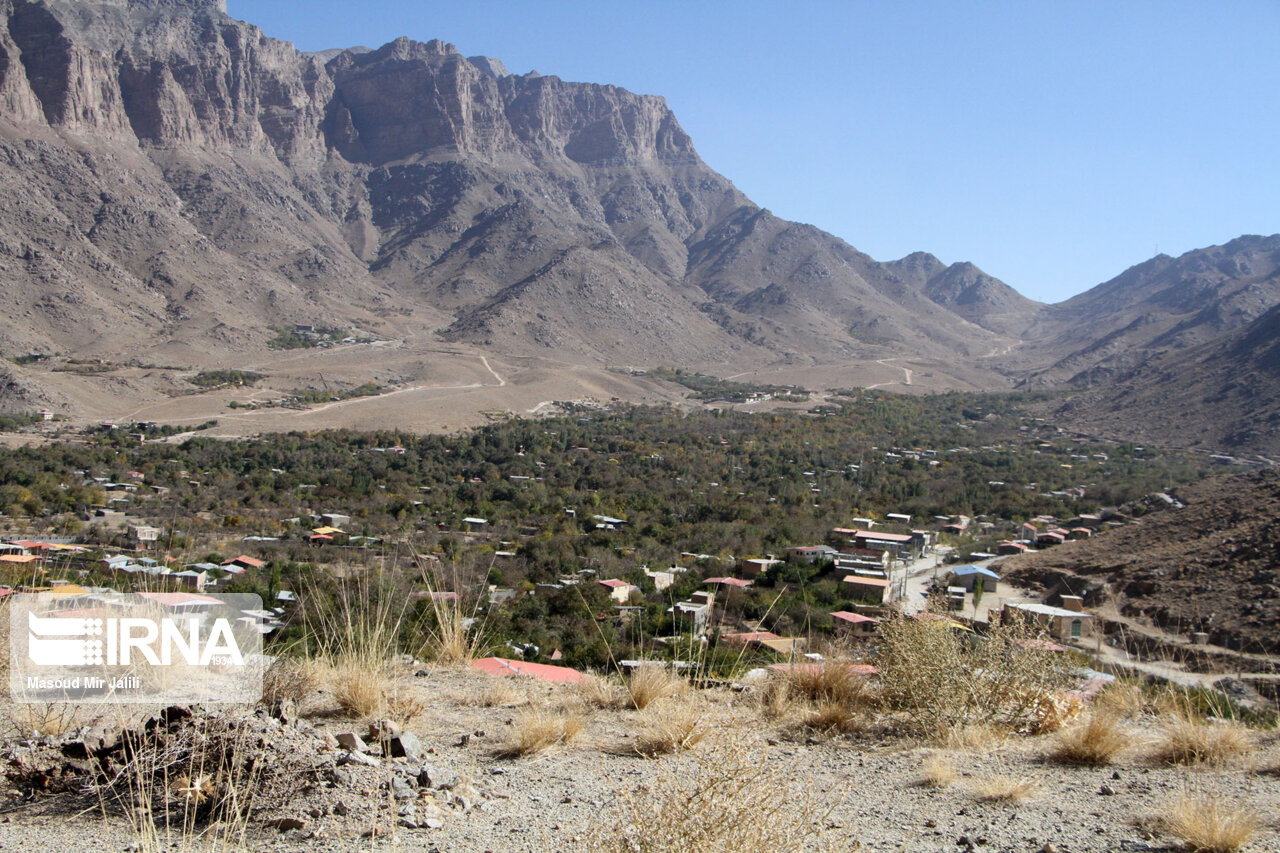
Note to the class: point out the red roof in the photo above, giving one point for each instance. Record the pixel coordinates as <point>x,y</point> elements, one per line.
<point>614,583</point>
<point>245,560</point>
<point>738,582</point>
<point>855,618</point>
<point>540,671</point>
<point>863,580</point>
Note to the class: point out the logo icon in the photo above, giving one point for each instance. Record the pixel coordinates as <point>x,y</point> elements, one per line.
<point>51,641</point>
<point>104,646</point>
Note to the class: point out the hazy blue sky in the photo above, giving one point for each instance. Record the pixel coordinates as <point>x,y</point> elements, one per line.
<point>1051,144</point>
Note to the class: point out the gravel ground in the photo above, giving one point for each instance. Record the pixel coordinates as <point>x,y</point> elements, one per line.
<point>858,793</point>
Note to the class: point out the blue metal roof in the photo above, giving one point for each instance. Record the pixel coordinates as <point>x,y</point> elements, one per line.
<point>965,571</point>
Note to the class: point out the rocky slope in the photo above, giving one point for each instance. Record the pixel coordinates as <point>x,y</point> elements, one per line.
<point>178,185</point>
<point>179,177</point>
<point>1212,565</point>
<point>752,783</point>
<point>1223,395</point>
<point>1157,307</point>
<point>968,291</point>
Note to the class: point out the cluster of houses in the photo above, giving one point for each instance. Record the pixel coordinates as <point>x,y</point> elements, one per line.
<point>1045,531</point>
<point>70,599</point>
<point>167,577</point>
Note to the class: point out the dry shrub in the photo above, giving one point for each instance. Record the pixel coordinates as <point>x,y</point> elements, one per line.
<point>728,800</point>
<point>943,678</point>
<point>190,785</point>
<point>975,737</point>
<point>454,634</point>
<point>1210,824</point>
<point>355,631</point>
<point>674,727</point>
<point>651,682</point>
<point>403,709</point>
<point>1006,788</point>
<point>598,693</point>
<point>1052,711</point>
<point>832,717</point>
<point>289,678</point>
<point>48,719</point>
<point>1193,741</point>
<point>831,681</point>
<point>538,730</point>
<point>1094,741</point>
<point>937,772</point>
<point>1120,700</point>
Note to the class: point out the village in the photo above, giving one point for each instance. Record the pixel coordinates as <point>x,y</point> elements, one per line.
<point>449,622</point>
<point>880,566</point>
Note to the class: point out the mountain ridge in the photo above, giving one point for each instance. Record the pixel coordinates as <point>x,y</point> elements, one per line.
<point>408,175</point>
<point>181,183</point>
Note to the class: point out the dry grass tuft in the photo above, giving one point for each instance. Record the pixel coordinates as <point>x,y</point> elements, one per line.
<point>1191,741</point>
<point>728,799</point>
<point>599,693</point>
<point>355,629</point>
<point>1094,741</point>
<point>1006,788</point>
<point>454,634</point>
<point>833,717</point>
<point>652,682</point>
<point>675,727</point>
<point>1210,824</point>
<point>938,772</point>
<point>976,737</point>
<point>290,678</point>
<point>775,701</point>
<point>538,730</point>
<point>501,694</point>
<point>358,686</point>
<point>1120,700</point>
<point>831,681</point>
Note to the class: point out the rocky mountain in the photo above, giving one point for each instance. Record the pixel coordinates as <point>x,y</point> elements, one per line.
<point>1221,395</point>
<point>179,186</point>
<point>968,291</point>
<point>179,179</point>
<point>1158,307</point>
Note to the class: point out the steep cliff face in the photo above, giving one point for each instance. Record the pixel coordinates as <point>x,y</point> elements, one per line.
<point>177,176</point>
<point>409,99</point>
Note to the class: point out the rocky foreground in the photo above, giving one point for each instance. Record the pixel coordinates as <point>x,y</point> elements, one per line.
<point>460,771</point>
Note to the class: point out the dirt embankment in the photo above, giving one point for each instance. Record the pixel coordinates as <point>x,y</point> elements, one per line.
<point>1212,565</point>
